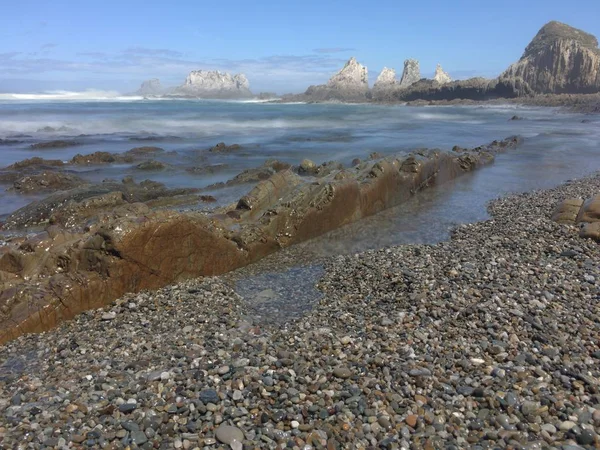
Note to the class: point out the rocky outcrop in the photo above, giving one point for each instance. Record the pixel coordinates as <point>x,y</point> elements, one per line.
<point>127,247</point>
<point>560,59</point>
<point>440,76</point>
<point>583,213</point>
<point>350,84</point>
<point>411,73</point>
<point>352,78</point>
<point>47,182</point>
<point>53,144</point>
<point>151,88</point>
<point>386,79</point>
<point>214,85</point>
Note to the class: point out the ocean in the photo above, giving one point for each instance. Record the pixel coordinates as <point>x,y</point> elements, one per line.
<point>557,146</point>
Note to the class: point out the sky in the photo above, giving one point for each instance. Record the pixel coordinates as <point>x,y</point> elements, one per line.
<point>281,46</point>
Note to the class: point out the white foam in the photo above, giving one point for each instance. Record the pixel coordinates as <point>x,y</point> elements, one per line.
<point>93,95</point>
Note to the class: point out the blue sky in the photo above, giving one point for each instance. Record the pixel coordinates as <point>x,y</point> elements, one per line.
<point>282,46</point>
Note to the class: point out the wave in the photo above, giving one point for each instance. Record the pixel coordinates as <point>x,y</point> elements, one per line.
<point>91,94</point>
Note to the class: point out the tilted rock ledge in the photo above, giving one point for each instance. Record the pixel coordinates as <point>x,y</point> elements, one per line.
<point>50,277</point>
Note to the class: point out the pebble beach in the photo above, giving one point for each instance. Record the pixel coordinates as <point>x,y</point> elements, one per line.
<point>488,340</point>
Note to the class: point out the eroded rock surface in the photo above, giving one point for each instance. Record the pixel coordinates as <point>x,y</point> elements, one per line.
<point>124,246</point>
<point>583,213</point>
<point>214,84</point>
<point>350,84</point>
<point>47,182</point>
<point>560,59</point>
<point>411,73</point>
<point>440,76</point>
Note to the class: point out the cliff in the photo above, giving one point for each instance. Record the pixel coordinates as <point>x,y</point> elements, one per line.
<point>214,84</point>
<point>560,59</point>
<point>411,73</point>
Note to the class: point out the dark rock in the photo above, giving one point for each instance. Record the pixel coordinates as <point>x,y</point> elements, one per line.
<point>151,165</point>
<point>221,147</point>
<point>35,162</point>
<point>54,144</point>
<point>47,181</point>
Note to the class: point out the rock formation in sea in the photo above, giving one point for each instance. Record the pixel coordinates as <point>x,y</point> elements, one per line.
<point>102,241</point>
<point>560,59</point>
<point>214,84</point>
<point>350,84</point>
<point>411,73</point>
<point>386,79</point>
<point>150,88</point>
<point>440,76</point>
<point>353,78</point>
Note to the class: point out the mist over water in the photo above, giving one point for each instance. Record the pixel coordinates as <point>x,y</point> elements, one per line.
<point>557,146</point>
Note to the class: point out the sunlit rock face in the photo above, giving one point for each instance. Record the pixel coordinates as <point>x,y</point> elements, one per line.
<point>214,84</point>
<point>560,59</point>
<point>411,73</point>
<point>441,77</point>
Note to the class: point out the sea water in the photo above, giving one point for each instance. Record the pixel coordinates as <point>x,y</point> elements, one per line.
<point>557,146</point>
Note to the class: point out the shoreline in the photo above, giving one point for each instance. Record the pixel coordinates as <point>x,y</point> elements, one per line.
<point>487,337</point>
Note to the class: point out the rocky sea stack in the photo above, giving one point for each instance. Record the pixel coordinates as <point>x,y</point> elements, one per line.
<point>411,73</point>
<point>214,84</point>
<point>560,59</point>
<point>350,84</point>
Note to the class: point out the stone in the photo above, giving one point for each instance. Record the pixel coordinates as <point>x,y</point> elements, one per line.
<point>126,408</point>
<point>307,167</point>
<point>590,210</point>
<point>560,59</point>
<point>590,231</point>
<point>412,420</point>
<point>110,315</point>
<point>567,211</point>
<point>352,77</point>
<point>342,372</point>
<point>586,437</point>
<point>47,182</point>
<point>441,77</point>
<point>151,165</point>
<point>386,79</point>
<point>138,437</point>
<point>411,73</point>
<point>214,84</point>
<point>209,396</point>
<point>226,434</point>
<point>567,425</point>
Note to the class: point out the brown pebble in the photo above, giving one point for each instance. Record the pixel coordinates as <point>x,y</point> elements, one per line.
<point>411,420</point>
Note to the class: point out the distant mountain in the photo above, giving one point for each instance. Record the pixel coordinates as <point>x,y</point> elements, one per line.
<point>150,88</point>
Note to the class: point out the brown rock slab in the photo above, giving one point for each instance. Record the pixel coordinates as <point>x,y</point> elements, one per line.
<point>590,231</point>
<point>127,247</point>
<point>566,212</point>
<point>590,211</point>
